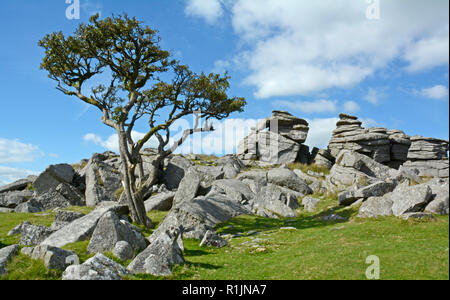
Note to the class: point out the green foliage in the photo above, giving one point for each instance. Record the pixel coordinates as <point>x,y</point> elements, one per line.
<point>130,52</point>
<point>125,59</point>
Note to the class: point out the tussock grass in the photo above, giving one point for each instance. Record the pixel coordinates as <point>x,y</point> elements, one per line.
<point>305,168</point>
<point>207,157</point>
<point>22,267</point>
<point>362,181</point>
<point>423,179</point>
<point>119,192</point>
<point>80,165</point>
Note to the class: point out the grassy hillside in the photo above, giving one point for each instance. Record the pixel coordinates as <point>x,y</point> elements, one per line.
<point>315,249</point>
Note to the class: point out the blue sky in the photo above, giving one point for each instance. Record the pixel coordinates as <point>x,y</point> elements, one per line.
<point>385,61</point>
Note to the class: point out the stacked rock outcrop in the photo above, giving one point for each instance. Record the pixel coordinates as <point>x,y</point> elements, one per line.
<point>428,156</point>
<point>278,139</point>
<point>389,147</point>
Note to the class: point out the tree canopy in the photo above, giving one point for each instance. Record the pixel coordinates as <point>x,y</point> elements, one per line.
<point>126,58</point>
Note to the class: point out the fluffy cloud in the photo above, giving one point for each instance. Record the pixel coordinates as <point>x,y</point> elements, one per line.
<point>92,7</point>
<point>373,96</point>
<point>428,53</point>
<point>313,107</point>
<point>320,131</point>
<point>351,106</point>
<point>227,135</point>
<point>223,140</point>
<point>8,175</point>
<point>438,92</point>
<point>210,10</point>
<point>14,151</point>
<point>112,142</point>
<point>297,47</point>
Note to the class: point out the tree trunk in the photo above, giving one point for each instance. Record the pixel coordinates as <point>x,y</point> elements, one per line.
<point>144,190</point>
<point>134,199</point>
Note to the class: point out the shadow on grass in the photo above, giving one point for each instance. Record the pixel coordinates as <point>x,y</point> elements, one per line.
<point>195,252</point>
<point>180,272</point>
<point>202,265</point>
<point>244,224</point>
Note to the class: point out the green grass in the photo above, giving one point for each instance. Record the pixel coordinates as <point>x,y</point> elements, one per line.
<point>316,250</point>
<point>10,220</point>
<point>80,209</point>
<point>22,267</point>
<point>324,250</point>
<point>80,248</point>
<point>328,202</point>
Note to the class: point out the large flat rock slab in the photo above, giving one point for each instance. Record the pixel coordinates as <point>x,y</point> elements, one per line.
<point>81,229</point>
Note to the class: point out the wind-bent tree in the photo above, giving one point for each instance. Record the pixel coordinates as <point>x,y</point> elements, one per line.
<point>126,58</point>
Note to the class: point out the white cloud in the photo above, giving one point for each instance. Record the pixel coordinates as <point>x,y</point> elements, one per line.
<point>223,140</point>
<point>320,131</point>
<point>368,122</point>
<point>351,106</point>
<point>319,106</point>
<point>373,96</point>
<point>221,66</point>
<point>210,10</point>
<point>91,137</point>
<point>14,151</point>
<point>428,53</point>
<point>112,142</point>
<point>92,7</point>
<point>297,47</point>
<point>438,92</point>
<point>8,175</point>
